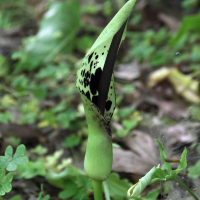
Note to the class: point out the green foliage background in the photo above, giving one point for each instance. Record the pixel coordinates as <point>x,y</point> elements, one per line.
<point>37,86</point>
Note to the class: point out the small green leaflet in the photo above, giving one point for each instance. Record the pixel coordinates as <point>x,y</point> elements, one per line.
<point>42,196</point>
<point>166,173</point>
<point>5,185</point>
<point>194,171</point>
<point>117,187</point>
<point>10,162</point>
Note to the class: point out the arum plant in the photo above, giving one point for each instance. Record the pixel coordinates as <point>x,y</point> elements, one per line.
<point>158,174</point>
<point>95,82</point>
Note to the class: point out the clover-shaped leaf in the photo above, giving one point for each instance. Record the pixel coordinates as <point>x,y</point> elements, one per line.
<point>5,185</point>
<point>9,162</point>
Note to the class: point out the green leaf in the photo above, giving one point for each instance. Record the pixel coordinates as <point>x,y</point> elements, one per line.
<point>5,183</point>
<point>195,112</point>
<point>59,179</point>
<point>163,155</point>
<point>194,171</point>
<point>117,187</point>
<point>71,141</point>
<point>129,124</point>
<point>16,197</point>
<point>56,34</point>
<point>4,66</point>
<point>84,43</point>
<point>70,190</point>
<point>189,23</point>
<point>14,141</point>
<point>40,91</point>
<point>40,150</point>
<point>5,117</point>
<point>158,174</point>
<point>32,169</point>
<point>183,164</point>
<point>152,195</point>
<point>42,196</point>
<point>125,112</point>
<point>18,158</point>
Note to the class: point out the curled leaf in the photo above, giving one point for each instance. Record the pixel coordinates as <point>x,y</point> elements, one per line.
<point>137,189</point>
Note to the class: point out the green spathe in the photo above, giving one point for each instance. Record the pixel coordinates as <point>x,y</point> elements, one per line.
<point>98,158</point>
<point>115,24</point>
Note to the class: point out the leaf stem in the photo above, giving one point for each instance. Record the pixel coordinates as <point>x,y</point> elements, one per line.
<point>186,188</point>
<point>106,190</point>
<point>97,190</point>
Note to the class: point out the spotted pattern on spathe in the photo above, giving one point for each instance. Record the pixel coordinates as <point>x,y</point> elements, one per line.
<point>89,76</point>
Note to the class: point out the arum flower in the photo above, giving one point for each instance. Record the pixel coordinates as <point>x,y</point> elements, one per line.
<point>95,82</point>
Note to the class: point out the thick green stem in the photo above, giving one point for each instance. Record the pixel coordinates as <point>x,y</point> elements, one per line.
<point>97,190</point>
<point>186,188</point>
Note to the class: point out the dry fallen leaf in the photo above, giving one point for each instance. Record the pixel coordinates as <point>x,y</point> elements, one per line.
<point>171,22</point>
<point>183,84</point>
<point>142,157</point>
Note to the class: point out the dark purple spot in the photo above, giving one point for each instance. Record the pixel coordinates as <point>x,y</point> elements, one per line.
<point>91,65</point>
<point>87,75</point>
<point>88,95</point>
<point>83,72</point>
<point>89,58</point>
<point>102,53</point>
<point>108,105</point>
<point>86,82</point>
<point>95,79</point>
<point>95,99</point>
<point>81,82</point>
<point>96,57</point>
<point>104,46</point>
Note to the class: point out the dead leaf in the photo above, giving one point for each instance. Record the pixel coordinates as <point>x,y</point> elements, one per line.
<point>141,158</point>
<point>183,84</point>
<point>128,72</point>
<point>172,23</point>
